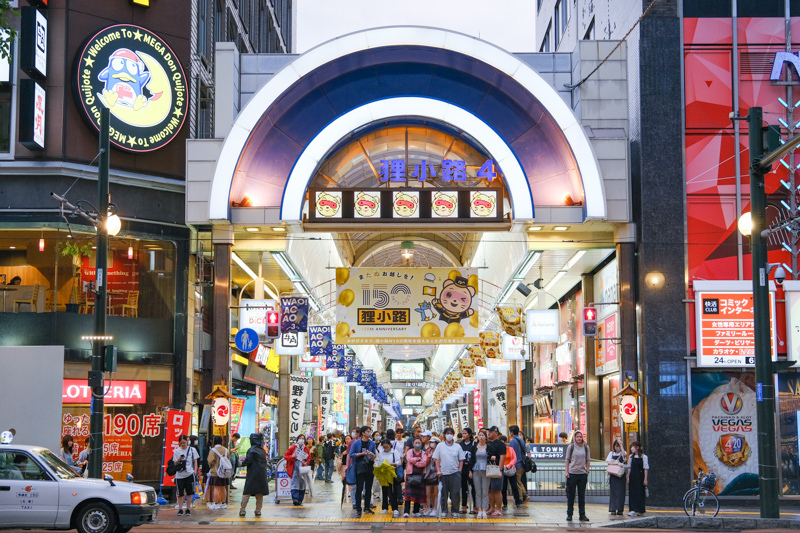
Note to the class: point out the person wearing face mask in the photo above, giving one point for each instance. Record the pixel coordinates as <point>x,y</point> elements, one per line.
<point>431,478</point>
<point>390,494</point>
<point>362,452</point>
<point>616,498</point>
<point>449,458</point>
<point>416,463</point>
<point>297,456</point>
<point>576,470</point>
<point>638,468</point>
<point>350,469</point>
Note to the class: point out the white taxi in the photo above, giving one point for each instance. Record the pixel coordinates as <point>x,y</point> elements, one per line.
<point>39,490</point>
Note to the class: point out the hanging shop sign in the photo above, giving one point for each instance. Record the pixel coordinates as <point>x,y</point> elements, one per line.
<point>340,397</point>
<point>221,411</point>
<point>792,291</point>
<point>407,306</point>
<point>513,347</point>
<point>298,390</point>
<point>291,344</point>
<point>542,326</point>
<point>724,323</point>
<point>725,430</point>
<point>406,205</point>
<point>294,314</point>
<point>310,361</point>
<point>178,423</point>
<point>374,419</point>
<point>454,419</point>
<point>237,408</point>
<point>324,409</point>
<point>606,360</point>
<point>320,341</point>
<point>253,315</point>
<point>133,72</point>
<point>463,416</point>
<point>260,356</point>
<point>117,392</point>
<point>32,105</point>
<point>499,394</point>
<point>33,45</point>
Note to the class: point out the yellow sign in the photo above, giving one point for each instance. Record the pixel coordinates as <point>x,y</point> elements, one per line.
<point>143,3</point>
<point>220,430</point>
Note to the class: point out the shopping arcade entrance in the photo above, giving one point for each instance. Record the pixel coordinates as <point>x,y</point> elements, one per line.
<point>308,126</point>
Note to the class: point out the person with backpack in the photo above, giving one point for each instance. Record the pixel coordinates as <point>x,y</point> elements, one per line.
<point>576,470</point>
<point>363,452</point>
<point>521,450</point>
<point>221,470</point>
<point>256,483</point>
<point>328,456</point>
<point>184,460</point>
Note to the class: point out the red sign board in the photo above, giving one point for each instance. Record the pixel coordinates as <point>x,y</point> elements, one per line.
<point>118,392</point>
<point>178,423</point>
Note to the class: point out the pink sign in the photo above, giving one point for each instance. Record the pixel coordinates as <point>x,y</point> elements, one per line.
<point>610,331</point>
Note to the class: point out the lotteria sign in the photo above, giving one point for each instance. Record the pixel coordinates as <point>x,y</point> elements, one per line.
<point>117,392</point>
<point>134,73</point>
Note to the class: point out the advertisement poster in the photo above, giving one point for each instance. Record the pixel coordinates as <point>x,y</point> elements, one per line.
<point>320,343</point>
<point>499,394</point>
<point>324,410</point>
<point>724,430</point>
<point>298,390</point>
<point>407,306</point>
<point>178,423</point>
<point>237,407</point>
<point>339,398</point>
<point>463,415</point>
<point>788,411</point>
<point>606,360</point>
<point>294,314</point>
<point>123,277</point>
<point>454,419</point>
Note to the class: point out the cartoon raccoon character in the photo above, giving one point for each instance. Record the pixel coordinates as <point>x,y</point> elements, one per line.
<point>444,205</point>
<point>482,204</point>
<point>367,205</point>
<point>405,205</point>
<point>328,205</point>
<point>456,299</point>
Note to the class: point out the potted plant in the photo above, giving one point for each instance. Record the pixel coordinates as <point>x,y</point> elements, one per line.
<point>77,252</point>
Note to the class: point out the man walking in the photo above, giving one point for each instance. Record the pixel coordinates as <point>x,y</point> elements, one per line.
<point>576,470</point>
<point>521,450</point>
<point>449,458</point>
<point>320,459</point>
<point>234,457</point>
<point>328,455</point>
<point>496,454</point>
<point>363,453</point>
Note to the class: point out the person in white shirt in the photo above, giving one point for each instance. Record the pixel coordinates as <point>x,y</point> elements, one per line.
<point>184,478</point>
<point>390,494</point>
<point>449,458</point>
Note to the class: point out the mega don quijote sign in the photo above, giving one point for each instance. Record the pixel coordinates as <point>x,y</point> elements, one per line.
<point>136,75</point>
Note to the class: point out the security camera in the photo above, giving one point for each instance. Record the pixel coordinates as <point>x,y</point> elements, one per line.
<point>780,275</point>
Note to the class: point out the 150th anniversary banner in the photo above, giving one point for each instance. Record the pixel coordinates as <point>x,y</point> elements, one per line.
<point>407,306</point>
<point>134,73</point>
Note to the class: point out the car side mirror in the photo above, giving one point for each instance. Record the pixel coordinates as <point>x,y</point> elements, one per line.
<point>129,478</point>
<point>110,479</point>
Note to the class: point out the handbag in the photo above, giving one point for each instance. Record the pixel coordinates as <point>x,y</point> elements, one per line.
<point>616,469</point>
<point>305,469</point>
<point>493,471</point>
<point>511,471</point>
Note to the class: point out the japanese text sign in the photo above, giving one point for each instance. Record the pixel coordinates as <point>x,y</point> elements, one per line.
<point>178,423</point>
<point>118,392</point>
<point>298,389</point>
<point>294,314</point>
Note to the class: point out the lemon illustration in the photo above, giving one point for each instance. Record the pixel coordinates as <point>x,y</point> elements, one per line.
<point>454,274</point>
<point>346,297</point>
<point>473,320</point>
<point>429,331</point>
<point>473,282</point>
<point>342,275</point>
<point>454,330</point>
<point>342,329</point>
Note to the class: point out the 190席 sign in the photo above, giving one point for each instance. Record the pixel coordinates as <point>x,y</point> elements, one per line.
<point>134,73</point>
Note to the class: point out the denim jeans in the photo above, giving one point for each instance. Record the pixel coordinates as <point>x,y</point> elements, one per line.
<point>328,464</point>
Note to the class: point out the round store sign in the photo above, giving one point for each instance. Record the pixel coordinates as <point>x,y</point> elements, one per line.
<point>136,75</point>
<point>628,408</point>
<point>221,410</point>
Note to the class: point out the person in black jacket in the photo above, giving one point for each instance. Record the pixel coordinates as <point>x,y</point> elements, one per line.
<point>468,445</point>
<point>256,483</point>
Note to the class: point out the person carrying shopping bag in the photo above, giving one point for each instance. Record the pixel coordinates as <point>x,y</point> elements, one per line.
<point>616,476</point>
<point>297,457</point>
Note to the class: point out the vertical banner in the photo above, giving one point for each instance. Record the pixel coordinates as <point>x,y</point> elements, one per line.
<point>463,415</point>
<point>294,314</point>
<point>178,423</point>
<point>237,408</point>
<point>320,343</point>
<point>373,420</point>
<point>499,394</point>
<point>298,390</point>
<point>454,419</point>
<point>324,410</point>
<point>365,416</point>
<point>339,400</point>
<point>476,406</point>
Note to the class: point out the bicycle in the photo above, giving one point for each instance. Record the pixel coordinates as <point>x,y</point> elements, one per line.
<point>701,499</point>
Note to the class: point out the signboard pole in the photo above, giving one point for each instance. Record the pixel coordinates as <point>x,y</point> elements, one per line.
<point>765,407</point>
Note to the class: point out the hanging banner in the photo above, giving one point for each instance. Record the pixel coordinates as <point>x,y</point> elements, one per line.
<point>253,315</point>
<point>476,407</point>
<point>454,419</point>
<point>373,420</point>
<point>291,344</point>
<point>320,343</point>
<point>542,326</point>
<point>463,416</point>
<point>298,390</point>
<point>365,414</point>
<point>340,398</point>
<point>407,306</point>
<point>513,347</point>
<point>792,291</point>
<point>335,360</point>
<point>178,423</point>
<point>294,314</point>
<point>309,361</point>
<point>511,319</point>
<point>237,408</point>
<point>725,430</point>
<point>324,410</point>
<point>499,394</point>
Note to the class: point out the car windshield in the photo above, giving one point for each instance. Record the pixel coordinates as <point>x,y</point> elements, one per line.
<point>59,467</point>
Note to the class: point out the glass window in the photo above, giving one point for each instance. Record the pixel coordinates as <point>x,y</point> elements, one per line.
<point>59,467</point>
<point>589,35</point>
<point>15,465</point>
<point>5,116</point>
<point>557,19</point>
<point>546,41</point>
<point>564,15</point>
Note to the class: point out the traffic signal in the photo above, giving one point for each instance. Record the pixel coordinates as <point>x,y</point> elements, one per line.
<point>589,322</point>
<point>273,324</point>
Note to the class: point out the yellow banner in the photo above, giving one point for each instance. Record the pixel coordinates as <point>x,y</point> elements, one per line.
<point>407,306</point>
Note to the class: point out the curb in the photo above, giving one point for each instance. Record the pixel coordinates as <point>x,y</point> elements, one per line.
<point>685,522</point>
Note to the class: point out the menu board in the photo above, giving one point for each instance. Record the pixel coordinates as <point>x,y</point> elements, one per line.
<point>724,311</point>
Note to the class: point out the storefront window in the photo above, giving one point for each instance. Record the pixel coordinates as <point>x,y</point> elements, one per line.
<point>5,117</point>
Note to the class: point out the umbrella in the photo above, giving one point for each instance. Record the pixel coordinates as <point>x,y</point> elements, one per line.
<point>385,473</point>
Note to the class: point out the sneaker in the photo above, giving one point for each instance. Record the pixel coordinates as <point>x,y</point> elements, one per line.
<point>223,506</point>
<point>358,515</point>
<point>257,513</point>
<point>212,506</point>
<point>233,488</point>
<point>242,513</point>
<point>449,516</point>
<point>473,512</point>
<point>369,511</point>
<point>418,515</point>
<point>505,507</point>
<point>569,519</point>
<point>180,512</point>
<point>396,514</point>
<point>519,506</point>
<point>405,515</point>
<point>178,507</point>
<point>584,518</point>
<point>384,511</point>
<point>187,512</point>
<point>632,513</point>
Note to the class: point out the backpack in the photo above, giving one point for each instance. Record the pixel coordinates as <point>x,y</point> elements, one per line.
<point>328,450</point>
<point>225,468</point>
<point>529,465</point>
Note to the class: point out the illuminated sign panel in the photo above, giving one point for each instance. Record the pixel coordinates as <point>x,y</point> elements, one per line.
<point>33,47</point>
<point>31,114</point>
<point>406,205</point>
<point>117,392</point>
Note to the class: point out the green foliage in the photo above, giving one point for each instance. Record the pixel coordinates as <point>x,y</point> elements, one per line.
<point>73,248</point>
<point>7,40</point>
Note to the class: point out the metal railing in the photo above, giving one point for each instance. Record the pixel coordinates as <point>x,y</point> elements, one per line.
<point>549,480</point>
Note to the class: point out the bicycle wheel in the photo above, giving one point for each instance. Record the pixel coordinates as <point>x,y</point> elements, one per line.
<point>702,502</point>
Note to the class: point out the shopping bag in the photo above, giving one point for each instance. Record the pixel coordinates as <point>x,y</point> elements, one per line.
<point>616,469</point>
<point>493,471</point>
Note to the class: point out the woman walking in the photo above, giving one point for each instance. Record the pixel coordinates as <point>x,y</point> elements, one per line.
<point>308,477</point>
<point>477,473</point>
<point>616,458</point>
<point>219,485</point>
<point>390,493</point>
<point>256,483</point>
<point>510,481</point>
<point>416,464</point>
<point>297,456</point>
<point>431,481</point>
<point>638,468</point>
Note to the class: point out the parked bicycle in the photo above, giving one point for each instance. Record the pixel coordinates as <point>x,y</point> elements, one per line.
<point>701,499</point>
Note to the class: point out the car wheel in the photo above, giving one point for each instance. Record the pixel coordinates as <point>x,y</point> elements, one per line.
<point>96,517</point>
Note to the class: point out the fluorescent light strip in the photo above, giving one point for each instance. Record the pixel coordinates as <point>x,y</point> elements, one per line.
<point>287,266</point>
<point>558,276</point>
<point>249,271</point>
<point>508,292</point>
<point>574,259</point>
<point>527,264</point>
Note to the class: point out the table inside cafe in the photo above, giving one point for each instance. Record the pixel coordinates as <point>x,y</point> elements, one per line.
<point>11,293</point>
